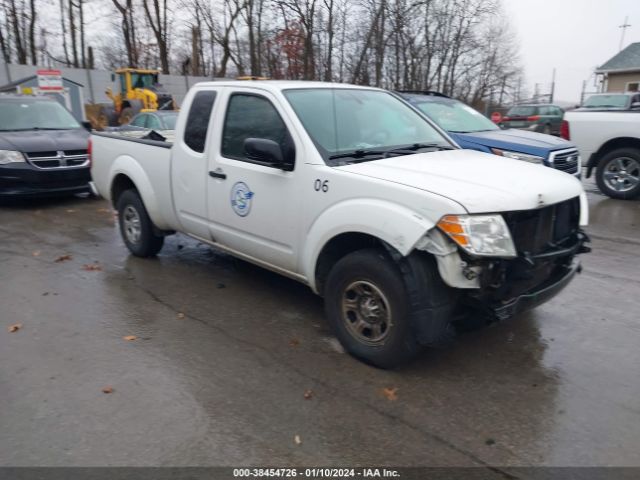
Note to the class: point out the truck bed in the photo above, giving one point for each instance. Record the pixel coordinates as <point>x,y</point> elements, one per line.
<point>150,162</point>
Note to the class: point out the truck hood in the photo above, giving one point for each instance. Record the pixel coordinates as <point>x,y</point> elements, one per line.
<point>478,181</point>
<point>517,140</point>
<point>44,140</point>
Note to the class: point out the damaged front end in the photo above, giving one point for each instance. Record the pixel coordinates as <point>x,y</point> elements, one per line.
<point>545,244</point>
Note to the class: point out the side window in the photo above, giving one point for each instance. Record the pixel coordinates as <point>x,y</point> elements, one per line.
<point>544,111</point>
<point>153,122</point>
<point>252,116</point>
<point>195,133</point>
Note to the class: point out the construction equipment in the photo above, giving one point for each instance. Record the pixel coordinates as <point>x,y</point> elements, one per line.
<point>137,91</point>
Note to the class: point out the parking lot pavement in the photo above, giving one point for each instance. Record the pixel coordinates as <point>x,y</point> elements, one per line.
<point>233,365</point>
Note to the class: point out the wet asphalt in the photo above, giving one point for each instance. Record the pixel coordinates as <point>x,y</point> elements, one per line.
<point>234,365</point>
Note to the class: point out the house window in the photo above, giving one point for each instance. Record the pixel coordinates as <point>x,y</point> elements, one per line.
<point>633,86</point>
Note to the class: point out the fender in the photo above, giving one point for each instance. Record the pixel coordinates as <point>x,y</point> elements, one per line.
<point>398,226</point>
<point>128,166</point>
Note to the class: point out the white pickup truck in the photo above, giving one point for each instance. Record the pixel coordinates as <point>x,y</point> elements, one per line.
<point>353,192</point>
<point>609,142</point>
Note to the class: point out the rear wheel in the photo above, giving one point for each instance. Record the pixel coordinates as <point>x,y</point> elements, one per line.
<point>618,173</point>
<point>136,227</point>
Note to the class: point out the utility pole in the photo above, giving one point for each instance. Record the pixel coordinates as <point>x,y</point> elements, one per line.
<point>553,86</point>
<point>624,27</point>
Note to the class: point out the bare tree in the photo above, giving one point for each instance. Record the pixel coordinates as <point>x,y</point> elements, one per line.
<point>157,19</point>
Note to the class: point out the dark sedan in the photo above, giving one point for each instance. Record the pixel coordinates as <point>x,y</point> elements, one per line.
<point>43,148</point>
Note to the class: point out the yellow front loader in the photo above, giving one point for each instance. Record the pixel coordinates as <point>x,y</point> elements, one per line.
<point>137,90</point>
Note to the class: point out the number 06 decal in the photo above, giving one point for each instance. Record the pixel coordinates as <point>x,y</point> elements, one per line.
<point>321,185</point>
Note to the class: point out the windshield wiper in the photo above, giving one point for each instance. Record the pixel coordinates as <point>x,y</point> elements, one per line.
<point>356,154</point>
<point>360,155</point>
<point>409,149</point>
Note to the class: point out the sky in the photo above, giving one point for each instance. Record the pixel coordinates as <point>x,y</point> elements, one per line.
<point>572,36</point>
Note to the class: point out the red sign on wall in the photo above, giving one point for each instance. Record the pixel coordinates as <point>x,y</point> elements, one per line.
<point>496,117</point>
<point>50,80</point>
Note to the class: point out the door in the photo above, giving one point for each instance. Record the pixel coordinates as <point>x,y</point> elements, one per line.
<point>254,207</point>
<point>189,162</point>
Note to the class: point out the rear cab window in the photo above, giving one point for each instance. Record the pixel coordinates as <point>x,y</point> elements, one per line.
<point>195,132</point>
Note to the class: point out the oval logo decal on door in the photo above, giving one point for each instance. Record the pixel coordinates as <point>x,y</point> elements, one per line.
<point>241,196</point>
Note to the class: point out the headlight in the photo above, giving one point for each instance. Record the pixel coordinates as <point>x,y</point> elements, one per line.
<point>518,156</point>
<point>10,156</point>
<point>482,235</point>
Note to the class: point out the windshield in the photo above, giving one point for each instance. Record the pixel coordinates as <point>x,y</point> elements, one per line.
<point>348,120</point>
<point>607,101</point>
<point>32,115</point>
<point>455,116</point>
<point>522,111</point>
<point>143,80</point>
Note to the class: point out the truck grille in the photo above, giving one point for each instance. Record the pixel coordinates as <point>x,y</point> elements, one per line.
<point>545,229</point>
<point>58,159</point>
<point>565,160</point>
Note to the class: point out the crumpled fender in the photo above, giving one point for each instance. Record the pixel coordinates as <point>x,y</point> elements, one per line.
<point>396,225</point>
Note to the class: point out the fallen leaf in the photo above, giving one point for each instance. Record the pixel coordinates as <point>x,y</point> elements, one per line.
<point>36,253</point>
<point>181,316</point>
<point>308,394</point>
<point>296,439</point>
<point>490,441</point>
<point>92,267</point>
<point>390,393</point>
<point>294,342</point>
<point>107,390</point>
<point>70,210</point>
<point>63,258</point>
<point>103,210</point>
<point>14,328</point>
<point>130,338</point>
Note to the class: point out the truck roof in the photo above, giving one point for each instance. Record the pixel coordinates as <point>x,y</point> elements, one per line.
<point>279,85</point>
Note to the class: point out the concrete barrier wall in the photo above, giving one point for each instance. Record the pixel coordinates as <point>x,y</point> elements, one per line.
<point>95,82</point>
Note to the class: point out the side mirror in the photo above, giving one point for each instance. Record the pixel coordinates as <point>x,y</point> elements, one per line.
<point>87,126</point>
<point>266,151</point>
<point>635,106</point>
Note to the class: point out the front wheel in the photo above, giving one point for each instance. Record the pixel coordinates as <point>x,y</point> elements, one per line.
<point>374,311</point>
<point>618,173</point>
<point>136,227</point>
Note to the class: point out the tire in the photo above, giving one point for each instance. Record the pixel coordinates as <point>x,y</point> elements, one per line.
<point>374,308</point>
<point>131,212</point>
<point>618,173</point>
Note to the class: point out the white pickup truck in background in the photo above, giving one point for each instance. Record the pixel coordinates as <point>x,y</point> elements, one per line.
<point>356,194</point>
<point>609,142</point>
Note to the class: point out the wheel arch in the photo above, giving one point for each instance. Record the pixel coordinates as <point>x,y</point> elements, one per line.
<point>335,234</point>
<point>609,146</point>
<point>126,173</point>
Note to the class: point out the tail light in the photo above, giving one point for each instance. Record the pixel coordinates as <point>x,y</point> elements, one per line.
<point>533,118</point>
<point>505,119</point>
<point>89,152</point>
<point>565,132</point>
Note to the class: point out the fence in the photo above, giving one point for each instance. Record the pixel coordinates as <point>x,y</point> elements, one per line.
<point>95,82</point>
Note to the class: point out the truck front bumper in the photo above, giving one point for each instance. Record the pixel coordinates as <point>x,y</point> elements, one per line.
<point>538,295</point>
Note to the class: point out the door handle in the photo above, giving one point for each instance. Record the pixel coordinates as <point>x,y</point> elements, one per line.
<point>218,174</point>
